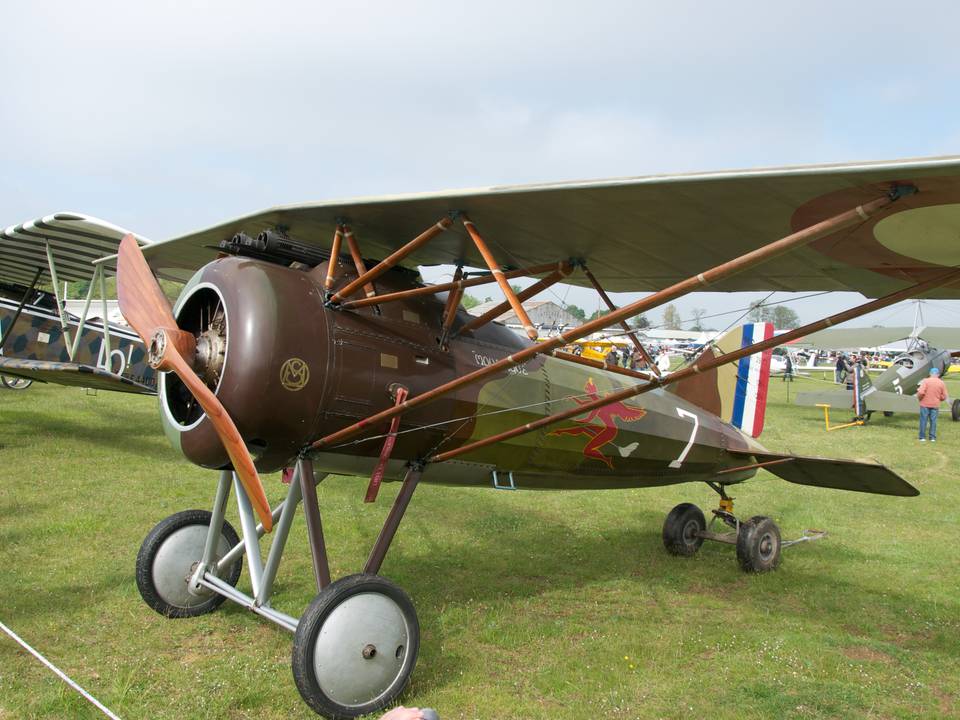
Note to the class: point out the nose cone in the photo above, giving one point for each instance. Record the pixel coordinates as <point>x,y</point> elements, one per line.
<point>262,348</point>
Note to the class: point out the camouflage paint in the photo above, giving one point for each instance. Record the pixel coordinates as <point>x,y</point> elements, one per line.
<point>38,335</point>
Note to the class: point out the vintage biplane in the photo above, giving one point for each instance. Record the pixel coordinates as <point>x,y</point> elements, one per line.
<point>291,348</point>
<point>39,339</point>
<point>894,389</point>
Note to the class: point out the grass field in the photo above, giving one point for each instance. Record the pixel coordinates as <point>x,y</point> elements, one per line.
<point>533,605</point>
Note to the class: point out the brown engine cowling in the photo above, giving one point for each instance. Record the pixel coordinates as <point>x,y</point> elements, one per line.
<point>262,346</point>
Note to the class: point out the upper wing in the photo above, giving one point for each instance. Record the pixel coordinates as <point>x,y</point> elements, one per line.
<point>74,240</point>
<point>645,233</point>
<point>940,337</point>
<point>68,373</point>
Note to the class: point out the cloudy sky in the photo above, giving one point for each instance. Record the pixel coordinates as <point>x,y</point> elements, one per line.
<point>174,116</point>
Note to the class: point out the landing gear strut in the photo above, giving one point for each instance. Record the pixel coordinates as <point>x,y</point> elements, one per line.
<point>356,644</point>
<point>757,540</point>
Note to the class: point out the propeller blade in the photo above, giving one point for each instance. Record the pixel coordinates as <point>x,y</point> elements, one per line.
<point>148,311</point>
<point>139,295</point>
<point>223,424</point>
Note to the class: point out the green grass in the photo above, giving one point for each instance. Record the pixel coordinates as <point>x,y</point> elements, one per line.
<point>533,605</point>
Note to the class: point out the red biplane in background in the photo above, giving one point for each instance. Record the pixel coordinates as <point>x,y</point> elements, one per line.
<point>290,347</point>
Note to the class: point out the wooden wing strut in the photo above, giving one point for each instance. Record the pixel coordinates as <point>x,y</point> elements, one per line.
<point>488,258</point>
<point>563,269</point>
<point>623,323</point>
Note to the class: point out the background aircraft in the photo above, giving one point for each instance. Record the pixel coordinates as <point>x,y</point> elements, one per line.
<point>39,339</point>
<point>288,352</point>
<point>894,389</point>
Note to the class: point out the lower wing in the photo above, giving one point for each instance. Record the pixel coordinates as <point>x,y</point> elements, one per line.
<point>73,374</point>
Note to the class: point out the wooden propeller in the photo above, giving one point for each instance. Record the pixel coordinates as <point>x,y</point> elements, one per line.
<point>148,311</point>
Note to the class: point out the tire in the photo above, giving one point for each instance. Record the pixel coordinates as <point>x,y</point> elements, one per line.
<point>955,410</point>
<point>680,530</point>
<point>355,647</point>
<point>758,545</point>
<point>167,558</point>
<point>15,383</point>
<point>888,413</point>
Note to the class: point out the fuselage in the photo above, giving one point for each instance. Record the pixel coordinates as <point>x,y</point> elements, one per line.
<point>908,369</point>
<point>293,369</point>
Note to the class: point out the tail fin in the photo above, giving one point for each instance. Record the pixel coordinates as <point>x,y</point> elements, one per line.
<point>736,392</point>
<point>861,381</point>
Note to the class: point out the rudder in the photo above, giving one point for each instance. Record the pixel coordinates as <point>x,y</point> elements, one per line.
<point>736,392</point>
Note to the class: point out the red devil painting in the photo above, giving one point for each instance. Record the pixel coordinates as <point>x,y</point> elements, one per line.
<point>600,436</point>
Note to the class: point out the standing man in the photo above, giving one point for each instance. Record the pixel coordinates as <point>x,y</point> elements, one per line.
<point>931,392</point>
<point>788,370</point>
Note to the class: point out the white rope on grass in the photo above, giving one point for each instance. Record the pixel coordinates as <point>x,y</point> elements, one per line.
<point>62,675</point>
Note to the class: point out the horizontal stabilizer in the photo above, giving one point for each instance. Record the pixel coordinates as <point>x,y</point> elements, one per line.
<point>833,398</point>
<point>854,475</point>
<point>72,374</point>
<point>877,401</point>
<point>886,401</point>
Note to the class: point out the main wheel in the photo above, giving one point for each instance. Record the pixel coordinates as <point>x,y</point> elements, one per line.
<point>955,410</point>
<point>168,557</point>
<point>356,646</point>
<point>758,545</point>
<point>15,383</point>
<point>681,530</point>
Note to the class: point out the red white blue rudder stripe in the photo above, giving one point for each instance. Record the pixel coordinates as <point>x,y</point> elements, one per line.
<point>753,378</point>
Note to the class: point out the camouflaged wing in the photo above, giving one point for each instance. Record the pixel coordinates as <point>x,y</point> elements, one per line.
<point>641,234</point>
<point>71,374</point>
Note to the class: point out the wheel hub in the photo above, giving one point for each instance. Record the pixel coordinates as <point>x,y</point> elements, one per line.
<point>766,546</point>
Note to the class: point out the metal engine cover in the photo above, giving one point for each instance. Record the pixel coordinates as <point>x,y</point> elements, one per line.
<point>274,364</point>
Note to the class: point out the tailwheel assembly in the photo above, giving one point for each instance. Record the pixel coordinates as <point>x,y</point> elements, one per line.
<point>757,540</point>
<point>355,646</point>
<point>168,558</point>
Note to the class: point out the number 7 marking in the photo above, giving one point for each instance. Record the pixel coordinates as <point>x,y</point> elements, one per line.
<point>696,426</point>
